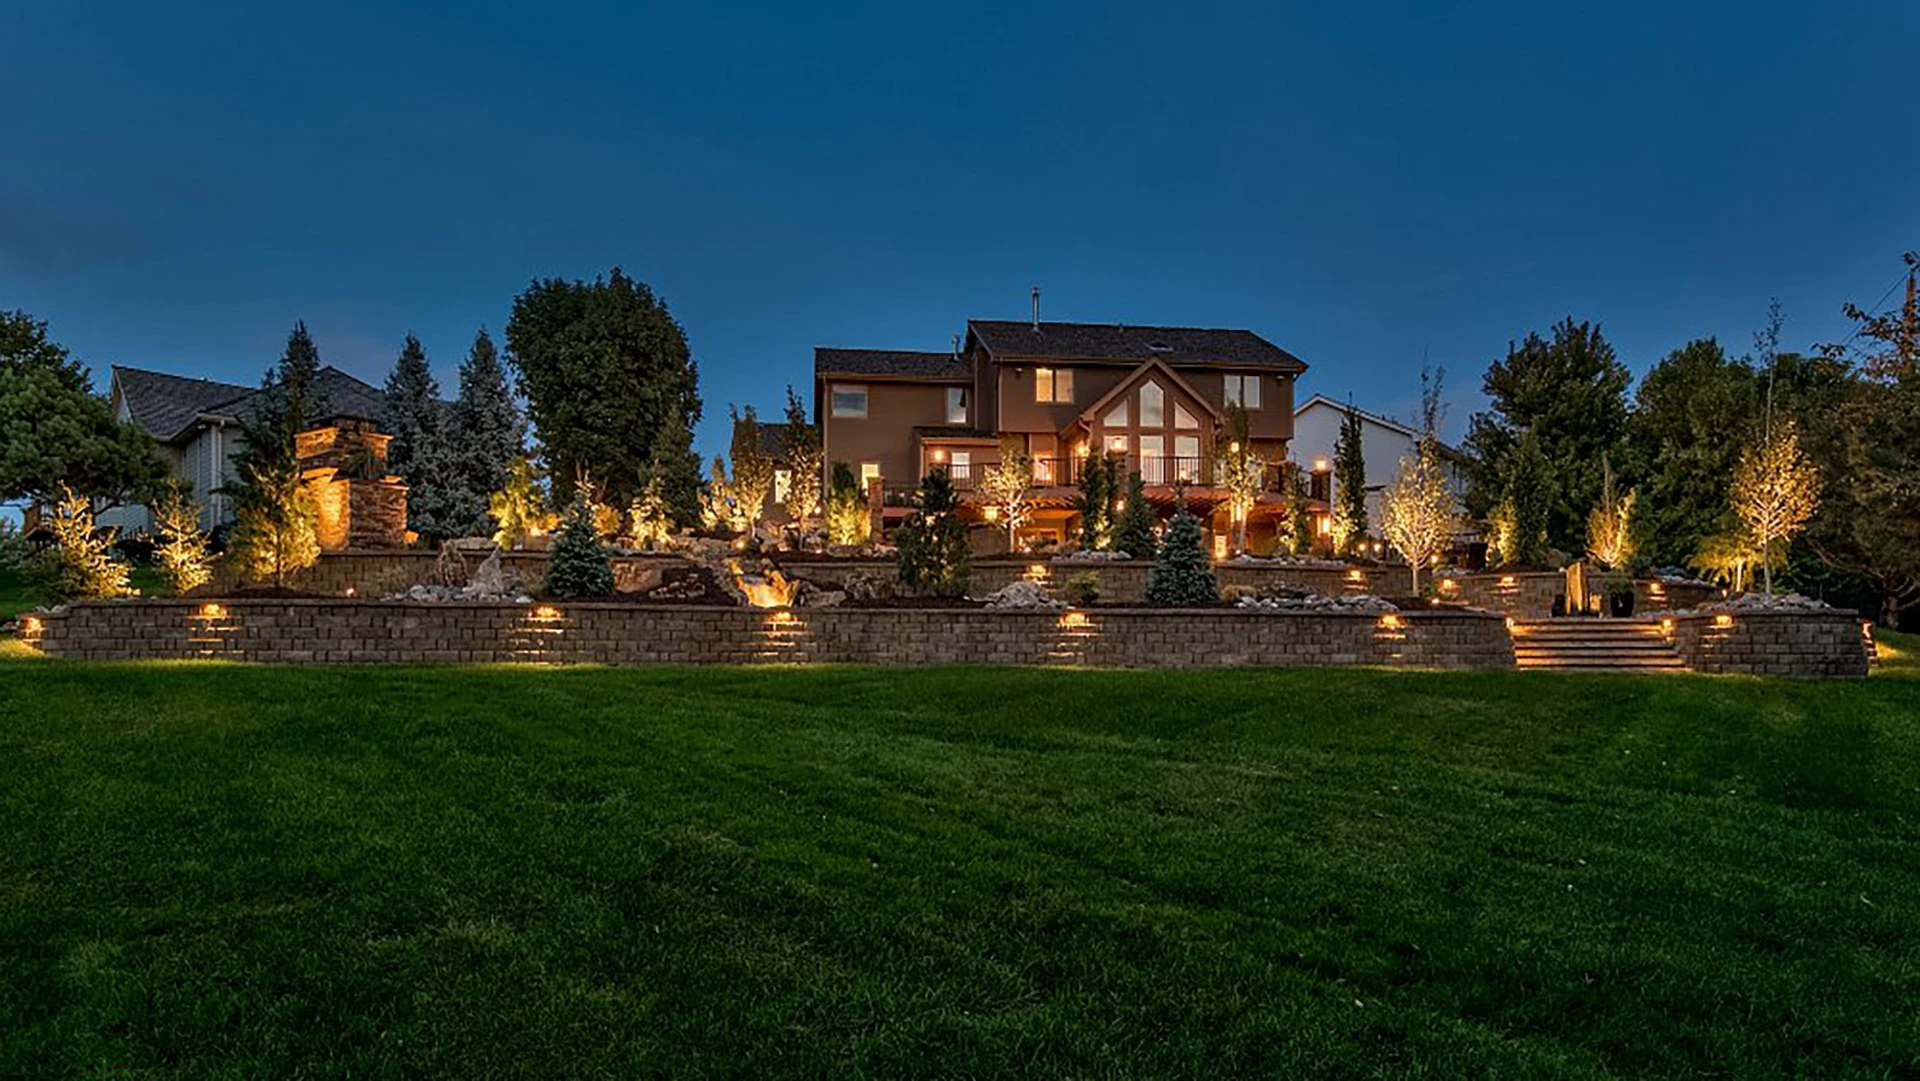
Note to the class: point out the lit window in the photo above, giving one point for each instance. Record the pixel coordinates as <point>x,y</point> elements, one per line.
<point>849,401</point>
<point>1117,444</point>
<point>956,405</point>
<point>1153,407</point>
<point>961,469</point>
<point>1187,449</point>
<point>782,485</point>
<point>1243,391</point>
<point>1117,416</point>
<point>1182,418</point>
<point>869,475</point>
<point>1153,468</point>
<point>1053,385</point>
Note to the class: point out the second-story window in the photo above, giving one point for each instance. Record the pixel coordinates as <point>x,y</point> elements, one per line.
<point>1153,406</point>
<point>1053,385</point>
<point>956,405</point>
<point>1243,391</point>
<point>782,486</point>
<point>849,401</point>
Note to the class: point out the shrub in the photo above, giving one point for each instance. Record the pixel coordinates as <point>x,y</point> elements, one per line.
<point>652,517</point>
<point>933,555</point>
<point>1181,575</point>
<point>1082,589</point>
<point>519,509</point>
<point>846,508</point>
<point>578,566</point>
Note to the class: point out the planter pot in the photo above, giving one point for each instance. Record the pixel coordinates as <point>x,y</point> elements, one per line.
<point>1620,605</point>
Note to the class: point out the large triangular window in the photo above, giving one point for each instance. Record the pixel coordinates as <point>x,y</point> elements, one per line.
<point>1182,418</point>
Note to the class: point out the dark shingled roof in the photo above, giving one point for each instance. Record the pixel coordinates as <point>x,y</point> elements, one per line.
<point>773,437</point>
<point>164,405</point>
<point>953,431</point>
<point>1176,346</point>
<point>895,362</point>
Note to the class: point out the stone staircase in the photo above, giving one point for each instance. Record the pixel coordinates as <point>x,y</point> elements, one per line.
<point>1594,645</point>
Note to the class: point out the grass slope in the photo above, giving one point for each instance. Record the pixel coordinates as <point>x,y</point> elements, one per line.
<point>225,871</point>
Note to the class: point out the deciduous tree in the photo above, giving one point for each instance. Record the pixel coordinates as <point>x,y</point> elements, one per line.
<point>603,367</point>
<point>1008,485</point>
<point>1776,489</point>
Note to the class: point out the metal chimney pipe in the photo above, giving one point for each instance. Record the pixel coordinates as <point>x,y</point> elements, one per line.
<point>1036,307</point>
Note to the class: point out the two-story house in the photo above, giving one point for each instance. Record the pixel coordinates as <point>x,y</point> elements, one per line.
<point>1156,396</point>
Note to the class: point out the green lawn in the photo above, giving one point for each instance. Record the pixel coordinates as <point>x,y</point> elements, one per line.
<point>224,871</point>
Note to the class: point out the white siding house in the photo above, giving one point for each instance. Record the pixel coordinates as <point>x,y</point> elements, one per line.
<point>1383,441</point>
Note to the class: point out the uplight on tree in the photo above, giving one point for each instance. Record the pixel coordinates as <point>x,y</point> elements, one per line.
<point>1417,510</point>
<point>1776,489</point>
<point>1610,525</point>
<point>1239,471</point>
<point>1009,486</point>
<point>182,554</point>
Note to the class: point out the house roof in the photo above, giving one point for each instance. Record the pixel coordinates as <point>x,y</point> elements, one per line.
<point>773,436</point>
<point>1446,450</point>
<point>952,431</point>
<point>166,405</point>
<point>163,404</point>
<point>896,363</point>
<point>1113,341</point>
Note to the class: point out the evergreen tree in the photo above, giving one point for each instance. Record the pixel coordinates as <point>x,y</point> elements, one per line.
<point>410,412</point>
<point>677,469</point>
<point>578,566</point>
<point>1299,536</point>
<point>846,508</point>
<point>520,506</point>
<point>55,431</point>
<point>1350,525</point>
<point>181,557</point>
<point>486,436</point>
<point>933,554</point>
<point>1134,533</point>
<point>274,517</point>
<point>1525,504</point>
<point>752,469</point>
<point>1099,484</point>
<point>1181,575</point>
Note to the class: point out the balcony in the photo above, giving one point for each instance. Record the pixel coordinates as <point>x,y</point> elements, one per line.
<point>1155,472</point>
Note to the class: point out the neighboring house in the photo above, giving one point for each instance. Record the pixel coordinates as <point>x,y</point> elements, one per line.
<point>195,425</point>
<point>1383,442</point>
<point>1156,396</point>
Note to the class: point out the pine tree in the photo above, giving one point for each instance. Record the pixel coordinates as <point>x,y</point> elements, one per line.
<point>933,554</point>
<point>652,521</point>
<point>677,468</point>
<point>578,566</point>
<point>1134,534</point>
<point>273,533</point>
<point>410,413</point>
<point>1525,507</point>
<point>80,563</point>
<point>487,434</point>
<point>181,557</point>
<point>519,508</point>
<point>1350,523</point>
<point>1181,575</point>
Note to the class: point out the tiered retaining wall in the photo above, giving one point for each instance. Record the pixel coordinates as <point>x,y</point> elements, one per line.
<point>374,573</point>
<point>1530,594</point>
<point>1122,581</point>
<point>1808,644</point>
<point>329,631</point>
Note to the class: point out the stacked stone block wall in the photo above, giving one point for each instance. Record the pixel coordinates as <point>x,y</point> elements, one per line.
<point>321,631</point>
<point>1805,644</point>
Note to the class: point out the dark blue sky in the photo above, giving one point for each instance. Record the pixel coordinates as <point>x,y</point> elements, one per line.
<point>1361,184</point>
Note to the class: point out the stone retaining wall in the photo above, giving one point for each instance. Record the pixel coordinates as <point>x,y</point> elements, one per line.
<point>328,631</point>
<point>1530,594</point>
<point>1806,644</point>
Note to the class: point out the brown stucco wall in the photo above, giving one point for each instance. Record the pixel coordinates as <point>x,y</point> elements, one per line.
<point>885,435</point>
<point>322,632</point>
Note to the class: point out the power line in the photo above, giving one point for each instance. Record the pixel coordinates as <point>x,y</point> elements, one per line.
<point>1875,310</point>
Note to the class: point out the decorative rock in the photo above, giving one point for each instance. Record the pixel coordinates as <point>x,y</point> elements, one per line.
<point>1302,601</point>
<point>1093,556</point>
<point>1023,594</point>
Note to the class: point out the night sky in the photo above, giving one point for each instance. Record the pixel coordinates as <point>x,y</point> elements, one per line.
<point>1365,185</point>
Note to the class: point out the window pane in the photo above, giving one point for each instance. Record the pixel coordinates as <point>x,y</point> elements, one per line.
<point>1250,391</point>
<point>1187,446</point>
<point>1182,418</point>
<point>1063,385</point>
<point>782,485</point>
<point>1117,416</point>
<point>1117,444</point>
<point>1153,406</point>
<point>869,474</point>
<point>849,401</point>
<point>956,405</point>
<point>1043,384</point>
